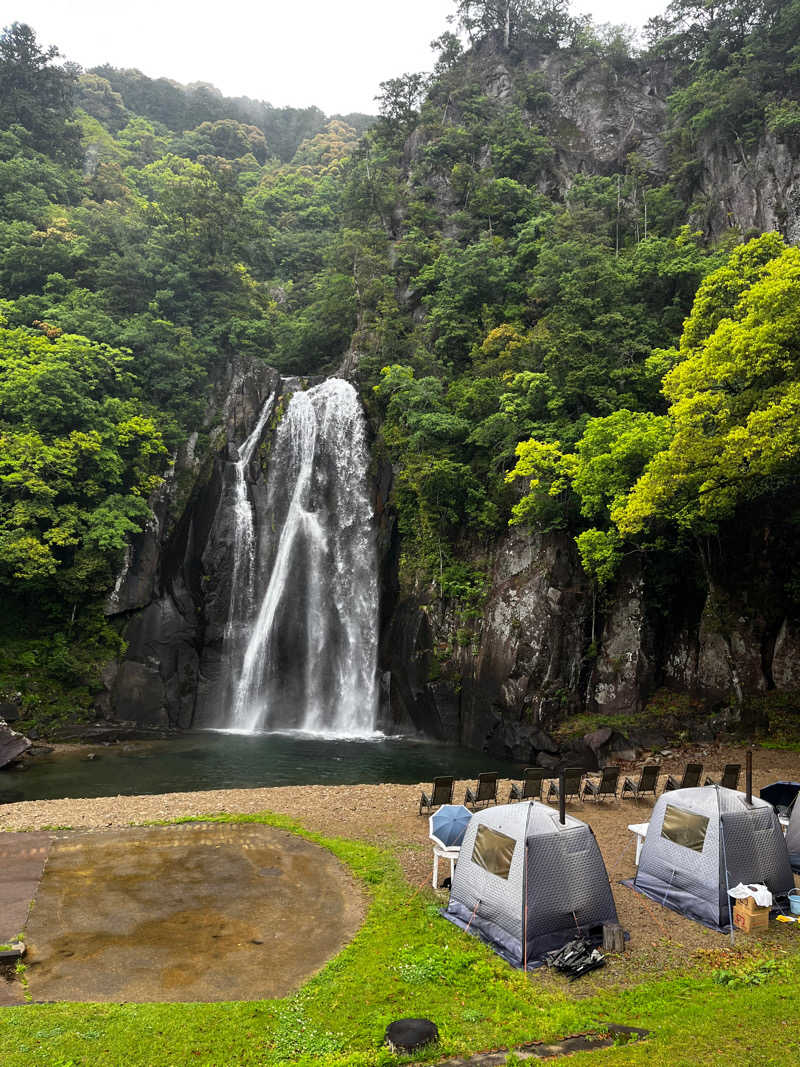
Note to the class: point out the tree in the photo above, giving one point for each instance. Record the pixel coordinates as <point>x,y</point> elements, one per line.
<point>78,459</point>
<point>547,21</point>
<point>329,148</point>
<point>37,95</point>
<point>399,100</point>
<point>734,395</point>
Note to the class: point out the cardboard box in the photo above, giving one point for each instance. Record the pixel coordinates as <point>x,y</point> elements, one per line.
<point>749,905</point>
<point>749,917</point>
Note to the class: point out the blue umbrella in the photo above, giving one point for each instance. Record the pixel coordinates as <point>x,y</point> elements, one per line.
<point>448,824</point>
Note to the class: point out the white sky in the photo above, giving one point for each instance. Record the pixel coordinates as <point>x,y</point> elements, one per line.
<point>332,53</point>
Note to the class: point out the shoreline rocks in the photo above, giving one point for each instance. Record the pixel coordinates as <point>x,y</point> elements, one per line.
<point>12,744</point>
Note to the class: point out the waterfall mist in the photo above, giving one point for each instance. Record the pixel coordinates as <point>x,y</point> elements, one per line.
<point>301,640</point>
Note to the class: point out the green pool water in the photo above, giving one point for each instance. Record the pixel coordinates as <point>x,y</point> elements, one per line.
<point>211,760</point>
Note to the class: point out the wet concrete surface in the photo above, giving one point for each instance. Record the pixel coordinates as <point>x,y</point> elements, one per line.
<point>22,860</point>
<point>180,913</point>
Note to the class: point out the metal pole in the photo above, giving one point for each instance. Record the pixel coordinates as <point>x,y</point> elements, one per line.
<point>525,913</point>
<point>749,775</point>
<point>562,798</point>
<point>525,893</point>
<point>725,867</point>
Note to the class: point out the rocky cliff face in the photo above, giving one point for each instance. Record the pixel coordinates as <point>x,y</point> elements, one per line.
<point>758,189</point>
<point>543,649</point>
<point>600,114</point>
<point>531,662</point>
<point>170,600</point>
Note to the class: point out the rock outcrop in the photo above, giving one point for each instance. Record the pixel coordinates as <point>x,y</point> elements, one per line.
<point>536,658</point>
<point>170,601</point>
<point>12,744</point>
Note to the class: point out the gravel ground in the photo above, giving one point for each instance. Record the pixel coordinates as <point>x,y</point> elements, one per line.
<point>387,815</point>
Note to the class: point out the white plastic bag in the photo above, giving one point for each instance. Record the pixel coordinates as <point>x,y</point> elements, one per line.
<point>762,895</point>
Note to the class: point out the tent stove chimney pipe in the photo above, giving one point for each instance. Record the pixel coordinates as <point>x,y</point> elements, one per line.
<point>562,799</point>
<point>749,775</point>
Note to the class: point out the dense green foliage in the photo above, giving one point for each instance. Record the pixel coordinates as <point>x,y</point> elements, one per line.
<point>520,330</point>
<point>730,435</point>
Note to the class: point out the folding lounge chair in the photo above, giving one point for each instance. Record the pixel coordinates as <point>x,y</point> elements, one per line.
<point>692,774</point>
<point>730,776</point>
<point>573,778</point>
<point>441,793</point>
<point>531,787</point>
<point>648,782</point>
<point>485,791</point>
<point>606,787</point>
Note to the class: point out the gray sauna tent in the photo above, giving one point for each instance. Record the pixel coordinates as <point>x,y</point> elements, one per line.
<point>520,853</point>
<point>793,836</point>
<point>702,842</point>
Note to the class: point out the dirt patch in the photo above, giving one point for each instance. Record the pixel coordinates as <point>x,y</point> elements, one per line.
<point>186,913</point>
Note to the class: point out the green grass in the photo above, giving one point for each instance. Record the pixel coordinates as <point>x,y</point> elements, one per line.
<point>407,961</point>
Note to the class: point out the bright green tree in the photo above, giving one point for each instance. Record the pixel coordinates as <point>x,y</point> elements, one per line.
<point>78,459</point>
<point>734,396</point>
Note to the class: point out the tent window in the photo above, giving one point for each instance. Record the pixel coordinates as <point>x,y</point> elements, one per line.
<point>684,828</point>
<point>493,851</point>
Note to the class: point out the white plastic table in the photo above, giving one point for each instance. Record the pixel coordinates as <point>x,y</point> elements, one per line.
<point>640,829</point>
<point>451,854</point>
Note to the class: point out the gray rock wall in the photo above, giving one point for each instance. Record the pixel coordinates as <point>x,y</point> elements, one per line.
<point>530,662</point>
<point>171,599</point>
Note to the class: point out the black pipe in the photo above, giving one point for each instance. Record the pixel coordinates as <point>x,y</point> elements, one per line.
<point>749,775</point>
<point>562,798</point>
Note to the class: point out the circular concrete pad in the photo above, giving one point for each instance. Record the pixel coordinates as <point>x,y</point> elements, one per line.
<point>195,912</point>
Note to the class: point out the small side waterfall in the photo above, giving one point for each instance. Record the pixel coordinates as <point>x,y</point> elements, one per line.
<point>308,660</point>
<point>243,578</point>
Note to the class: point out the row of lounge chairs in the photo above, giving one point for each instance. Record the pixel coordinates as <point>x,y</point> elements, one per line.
<point>577,784</point>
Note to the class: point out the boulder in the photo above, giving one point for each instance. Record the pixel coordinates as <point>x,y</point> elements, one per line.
<point>786,658</point>
<point>579,756</point>
<point>12,744</point>
<point>611,746</point>
<point>9,712</point>
<point>597,738</point>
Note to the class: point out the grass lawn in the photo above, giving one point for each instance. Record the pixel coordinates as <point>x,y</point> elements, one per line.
<point>406,961</point>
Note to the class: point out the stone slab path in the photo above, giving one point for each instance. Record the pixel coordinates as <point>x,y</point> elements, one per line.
<point>541,1050</point>
<point>22,861</point>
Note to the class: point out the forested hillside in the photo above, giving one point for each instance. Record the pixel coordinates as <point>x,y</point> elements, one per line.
<point>545,264</point>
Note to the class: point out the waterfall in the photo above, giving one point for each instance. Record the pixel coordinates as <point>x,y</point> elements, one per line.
<point>309,659</point>
<point>243,578</point>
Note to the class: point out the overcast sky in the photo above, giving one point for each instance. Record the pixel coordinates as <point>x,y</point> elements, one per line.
<point>333,53</point>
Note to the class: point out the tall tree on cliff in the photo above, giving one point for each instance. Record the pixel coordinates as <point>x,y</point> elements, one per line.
<point>547,21</point>
<point>37,95</point>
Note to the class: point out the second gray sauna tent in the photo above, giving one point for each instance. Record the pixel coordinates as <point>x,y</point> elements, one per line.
<point>702,842</point>
<point>526,883</point>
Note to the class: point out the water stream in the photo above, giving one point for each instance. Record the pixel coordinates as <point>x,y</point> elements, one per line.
<point>306,588</point>
<point>243,578</point>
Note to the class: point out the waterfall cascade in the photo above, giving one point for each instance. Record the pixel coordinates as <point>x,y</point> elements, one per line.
<point>243,578</point>
<point>301,639</point>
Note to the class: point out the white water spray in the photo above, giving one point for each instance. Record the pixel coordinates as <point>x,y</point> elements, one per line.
<point>243,578</point>
<point>309,662</point>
